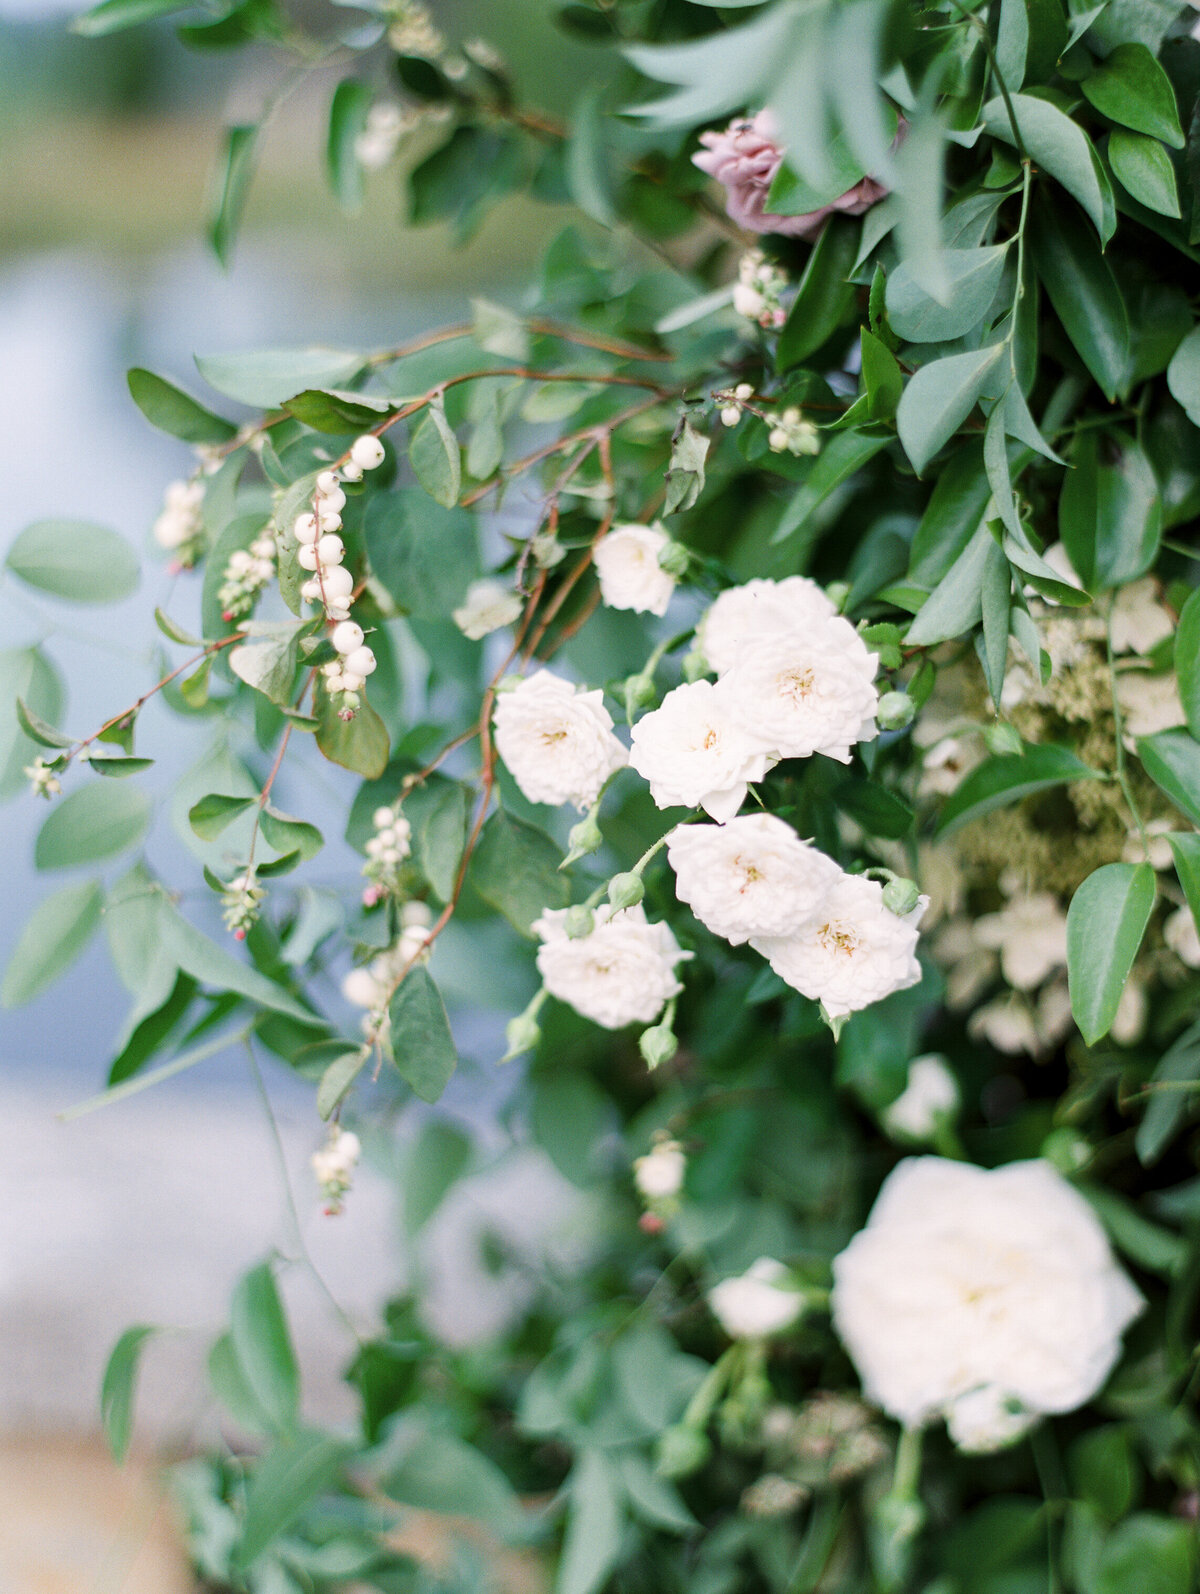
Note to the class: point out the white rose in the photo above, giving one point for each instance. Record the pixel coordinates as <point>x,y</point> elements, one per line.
<point>630,575</point>
<point>1179,932</point>
<point>659,1174</point>
<point>852,953</point>
<point>622,973</point>
<point>758,609</point>
<point>986,1419</point>
<point>558,743</point>
<point>969,1279</point>
<point>757,1303</point>
<point>1138,621</point>
<point>809,690</point>
<point>750,876</point>
<point>694,752</point>
<point>1149,703</point>
<point>487,606</point>
<point>928,1099</point>
<point>1030,934</point>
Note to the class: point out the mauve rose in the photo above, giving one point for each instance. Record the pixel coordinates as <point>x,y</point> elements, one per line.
<point>746,156</point>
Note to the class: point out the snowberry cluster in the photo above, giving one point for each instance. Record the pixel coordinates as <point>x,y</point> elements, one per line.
<point>386,125</point>
<point>756,293</point>
<point>792,434</point>
<point>334,1167</point>
<point>178,528</point>
<point>345,676</point>
<point>412,30</point>
<point>371,986</point>
<point>246,574</point>
<point>242,900</point>
<point>386,851</point>
<point>42,778</point>
<point>731,408</point>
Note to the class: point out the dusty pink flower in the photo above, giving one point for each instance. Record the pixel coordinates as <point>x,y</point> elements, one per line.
<point>746,156</point>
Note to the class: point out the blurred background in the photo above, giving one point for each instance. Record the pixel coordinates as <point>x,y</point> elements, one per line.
<point>148,1210</point>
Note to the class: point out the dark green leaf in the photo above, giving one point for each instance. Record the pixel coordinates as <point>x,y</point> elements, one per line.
<point>1152,1554</point>
<point>93,822</point>
<point>881,377</point>
<point>424,555</point>
<point>286,833</point>
<point>1103,1470</point>
<point>55,934</point>
<point>118,1387</point>
<point>1000,781</point>
<point>823,296</point>
<point>955,604</point>
<point>119,768</point>
<point>842,456</point>
<point>938,399</point>
<point>1143,168</point>
<point>1131,88</point>
<point>1186,850</point>
<point>234,171</point>
<point>278,866</point>
<point>1083,291</point>
<point>360,744</point>
<point>437,811</point>
<point>288,1478</point>
<point>972,278</point>
<point>879,811</point>
<point>422,1045</point>
<point>1179,1065</point>
<point>262,1346</point>
<point>1172,761</point>
<point>337,1080</point>
<point>174,411</point>
<point>953,515</point>
<point>335,411</point>
<point>1110,510</point>
<point>515,870</point>
<point>212,814</point>
<point>75,559</point>
<point>995,603</point>
<point>1060,147</point>
<point>347,119</point>
<point>1183,375</point>
<point>1105,925</point>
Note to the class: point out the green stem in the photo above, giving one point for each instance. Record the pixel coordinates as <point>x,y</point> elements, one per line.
<point>907,1476</point>
<point>1119,737</point>
<point>130,1087</point>
<point>981,27</point>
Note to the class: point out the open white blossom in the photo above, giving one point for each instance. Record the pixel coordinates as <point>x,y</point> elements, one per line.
<point>659,1174</point>
<point>622,973</point>
<point>808,690</point>
<point>967,1279</point>
<point>1179,932</point>
<point>488,606</point>
<point>1030,934</point>
<point>1138,621</point>
<point>750,876</point>
<point>630,575</point>
<point>852,953</point>
<point>928,1099</point>
<point>694,752</point>
<point>758,609</point>
<point>757,1303</point>
<point>558,743</point>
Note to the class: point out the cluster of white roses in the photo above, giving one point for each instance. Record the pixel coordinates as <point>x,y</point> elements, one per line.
<point>245,575</point>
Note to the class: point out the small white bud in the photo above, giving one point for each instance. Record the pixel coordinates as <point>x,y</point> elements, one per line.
<point>311,591</point>
<point>777,440</point>
<point>383,818</point>
<point>240,561</point>
<point>366,452</point>
<point>346,637</point>
<point>361,661</point>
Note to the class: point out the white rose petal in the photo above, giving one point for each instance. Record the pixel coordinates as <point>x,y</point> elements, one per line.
<point>694,752</point>
<point>750,876</point>
<point>852,953</point>
<point>630,575</point>
<point>757,1303</point>
<point>929,1097</point>
<point>487,607</point>
<point>558,743</point>
<point>986,1419</point>
<point>758,609</point>
<point>968,1279</point>
<point>622,973</point>
<point>808,690</point>
<point>1030,934</point>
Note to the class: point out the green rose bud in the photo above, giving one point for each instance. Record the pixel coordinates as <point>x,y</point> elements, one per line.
<point>625,890</point>
<point>674,559</point>
<point>657,1045</point>
<point>695,666</point>
<point>1068,1150</point>
<point>900,895</point>
<point>580,921</point>
<point>1002,738</point>
<point>681,1451</point>
<point>895,711</point>
<point>640,692</point>
<point>522,1034</point>
<point>582,839</point>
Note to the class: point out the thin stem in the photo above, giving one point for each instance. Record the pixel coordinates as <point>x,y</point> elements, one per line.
<point>981,27</point>
<point>131,1087</point>
<point>128,713</point>
<point>907,1476</point>
<point>1119,738</point>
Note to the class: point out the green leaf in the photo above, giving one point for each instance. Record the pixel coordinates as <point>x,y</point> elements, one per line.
<point>1187,661</point>
<point>118,1386</point>
<point>685,474</point>
<point>120,768</point>
<point>25,673</point>
<point>881,377</point>
<point>1083,291</point>
<point>954,606</point>
<point>435,456</point>
<point>262,1346</point>
<point>843,455</point>
<point>110,16</point>
<point>1152,1554</point>
<point>360,744</point>
<point>231,185</point>
<point>231,1389</point>
<point>286,833</point>
<point>434,1162</point>
<point>34,726</point>
<point>173,632</point>
<point>214,813</point>
<point>1104,1470</point>
<point>439,1472</point>
<point>1179,1065</point>
<point>1186,850</point>
<point>953,515</point>
<point>972,279</point>
<point>515,870</point>
<point>437,811</point>
<point>336,411</point>
<point>422,1045</point>
<point>284,1481</point>
<point>267,662</point>
<point>996,605</point>
<point>1060,147</point>
<point>1143,168</point>
<point>425,556</point>
<point>347,118</point>
<point>879,811</point>
<point>91,823</point>
<point>1006,779</point>
<point>1183,375</point>
<point>1131,88</point>
<point>587,162</point>
<point>212,965</point>
<point>569,1118</point>
<point>1110,510</point>
<point>1147,1244</point>
<point>337,1080</point>
<point>1172,761</point>
<point>824,295</point>
<point>238,24</point>
<point>174,411</point>
<point>938,399</point>
<point>75,559</point>
<point>594,1527</point>
<point>55,934</point>
<point>1105,925</point>
<point>267,377</point>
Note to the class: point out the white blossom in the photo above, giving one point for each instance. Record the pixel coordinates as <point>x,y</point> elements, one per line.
<point>757,1303</point>
<point>558,743</point>
<point>1139,622</point>
<point>630,575</point>
<point>623,972</point>
<point>967,1279</point>
<point>750,876</point>
<point>929,1098</point>
<point>1149,703</point>
<point>852,953</point>
<point>1008,1023</point>
<point>807,690</point>
<point>758,609</point>
<point>695,753</point>
<point>1179,932</point>
<point>179,521</point>
<point>1030,934</point>
<point>659,1174</point>
<point>488,606</point>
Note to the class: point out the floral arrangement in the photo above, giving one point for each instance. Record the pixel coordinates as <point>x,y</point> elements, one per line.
<point>767,658</point>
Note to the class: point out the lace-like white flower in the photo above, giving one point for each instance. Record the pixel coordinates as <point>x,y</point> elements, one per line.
<point>1030,934</point>
<point>558,743</point>
<point>630,575</point>
<point>929,1098</point>
<point>758,609</point>
<point>750,876</point>
<point>809,690</point>
<point>622,973</point>
<point>969,1280</point>
<point>695,754</point>
<point>757,1303</point>
<point>852,953</point>
<point>487,607</point>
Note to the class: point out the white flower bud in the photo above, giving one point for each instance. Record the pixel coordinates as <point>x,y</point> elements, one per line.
<point>346,637</point>
<point>366,452</point>
<point>361,661</point>
<point>352,682</point>
<point>895,711</point>
<point>777,440</point>
<point>331,550</point>
<point>659,1175</point>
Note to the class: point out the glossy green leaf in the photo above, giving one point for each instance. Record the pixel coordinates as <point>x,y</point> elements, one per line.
<point>92,822</point>
<point>1185,847</point>
<point>119,768</point>
<point>173,411</point>
<point>259,1336</point>
<point>587,163</point>
<point>336,411</point>
<point>1006,779</point>
<point>337,1080</point>
<point>284,1481</point>
<point>437,810</point>
<point>266,377</point>
<point>955,604</point>
<point>972,278</point>
<point>953,514</point>
<point>55,934</point>
<point>435,456</point>
<point>938,399</point>
<point>1083,291</point>
<point>1152,1554</point>
<point>824,294</point>
<point>421,1042</point>
<point>1172,761</point>
<point>174,632</point>
<point>1131,88</point>
<point>1183,375</point>
<point>1187,661</point>
<point>1166,1109</point>
<point>214,813</point>
<point>360,744</point>
<point>74,559</point>
<point>841,457</point>
<point>231,186</point>
<point>882,378</point>
<point>347,118</point>
<point>1143,168</point>
<point>1060,147</point>
<point>424,555</point>
<point>118,1387</point>
<point>1106,922</point>
<point>515,870</point>
<point>1110,510</point>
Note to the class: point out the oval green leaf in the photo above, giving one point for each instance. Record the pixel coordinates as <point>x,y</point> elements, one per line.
<point>422,1045</point>
<point>75,559</point>
<point>118,1388</point>
<point>1105,925</point>
<point>1172,761</point>
<point>173,411</point>
<point>57,932</point>
<point>92,823</point>
<point>1006,779</point>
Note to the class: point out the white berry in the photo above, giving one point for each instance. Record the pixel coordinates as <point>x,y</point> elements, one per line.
<point>332,501</point>
<point>361,661</point>
<point>351,472</point>
<point>351,682</point>
<point>337,581</point>
<point>367,452</point>
<point>382,818</point>
<point>346,637</point>
<point>306,528</point>
<point>331,550</point>
<point>327,481</point>
<point>307,557</point>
